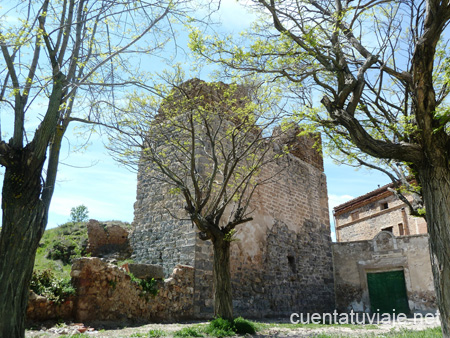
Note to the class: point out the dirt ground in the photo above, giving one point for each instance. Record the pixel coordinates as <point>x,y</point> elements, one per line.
<point>102,330</point>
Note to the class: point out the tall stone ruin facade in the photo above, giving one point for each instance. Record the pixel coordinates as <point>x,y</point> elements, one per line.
<point>281,261</point>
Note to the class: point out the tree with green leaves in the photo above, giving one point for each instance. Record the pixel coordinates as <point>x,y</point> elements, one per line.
<point>58,61</point>
<point>79,214</point>
<point>206,144</point>
<point>374,77</point>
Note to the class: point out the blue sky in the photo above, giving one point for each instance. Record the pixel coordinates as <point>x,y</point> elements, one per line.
<point>108,190</point>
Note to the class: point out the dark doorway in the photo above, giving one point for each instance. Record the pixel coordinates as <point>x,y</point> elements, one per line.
<point>387,292</point>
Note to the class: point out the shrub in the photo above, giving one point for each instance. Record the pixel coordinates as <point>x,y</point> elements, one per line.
<point>149,286</point>
<point>220,327</point>
<point>243,326</point>
<point>44,283</point>
<point>69,241</point>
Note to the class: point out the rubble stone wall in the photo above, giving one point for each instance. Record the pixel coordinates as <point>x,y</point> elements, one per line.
<point>41,309</point>
<point>105,292</point>
<point>108,238</point>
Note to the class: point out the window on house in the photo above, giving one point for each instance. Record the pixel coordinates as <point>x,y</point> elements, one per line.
<point>389,229</point>
<point>355,216</point>
<point>384,206</point>
<point>401,229</point>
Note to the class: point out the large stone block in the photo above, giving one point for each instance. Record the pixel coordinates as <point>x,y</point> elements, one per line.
<point>144,271</point>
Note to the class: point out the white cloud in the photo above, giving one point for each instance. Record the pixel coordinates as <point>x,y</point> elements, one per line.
<point>335,200</point>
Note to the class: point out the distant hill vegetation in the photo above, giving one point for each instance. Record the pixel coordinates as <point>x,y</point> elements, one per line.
<point>59,246</point>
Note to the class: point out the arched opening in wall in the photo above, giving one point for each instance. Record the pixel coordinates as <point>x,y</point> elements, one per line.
<point>291,263</point>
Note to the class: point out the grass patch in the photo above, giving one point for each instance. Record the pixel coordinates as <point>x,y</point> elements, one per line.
<point>189,332</point>
<point>150,334</point>
<point>59,246</point>
<point>428,333</point>
<point>317,326</point>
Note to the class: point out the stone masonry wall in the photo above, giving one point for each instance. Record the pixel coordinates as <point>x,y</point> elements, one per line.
<point>281,261</point>
<point>105,292</point>
<point>41,309</point>
<point>158,237</point>
<point>353,260</point>
<point>108,238</point>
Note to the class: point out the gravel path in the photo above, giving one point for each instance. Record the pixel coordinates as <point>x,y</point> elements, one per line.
<point>100,330</point>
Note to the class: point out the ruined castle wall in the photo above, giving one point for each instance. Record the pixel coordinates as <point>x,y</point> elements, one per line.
<point>282,261</point>
<point>158,237</point>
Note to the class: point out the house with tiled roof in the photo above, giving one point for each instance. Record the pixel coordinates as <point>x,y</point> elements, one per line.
<point>381,257</point>
<point>363,217</point>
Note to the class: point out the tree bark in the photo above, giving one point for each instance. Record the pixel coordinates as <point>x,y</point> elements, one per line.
<point>24,219</point>
<point>223,299</point>
<point>435,183</point>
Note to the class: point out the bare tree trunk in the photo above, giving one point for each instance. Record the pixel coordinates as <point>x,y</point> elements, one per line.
<point>435,183</point>
<point>23,223</point>
<point>223,299</point>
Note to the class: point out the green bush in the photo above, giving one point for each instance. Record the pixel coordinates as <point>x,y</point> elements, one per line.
<point>220,327</point>
<point>243,326</point>
<point>149,286</point>
<point>67,242</point>
<point>44,283</point>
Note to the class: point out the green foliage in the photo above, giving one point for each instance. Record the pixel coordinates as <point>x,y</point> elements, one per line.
<point>243,326</point>
<point>45,283</point>
<point>220,327</point>
<point>429,333</point>
<point>59,246</point>
<point>155,333</point>
<point>79,214</point>
<point>188,332</point>
<point>149,286</point>
<point>65,243</point>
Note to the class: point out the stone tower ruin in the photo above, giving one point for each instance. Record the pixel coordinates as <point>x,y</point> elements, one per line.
<point>281,262</point>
